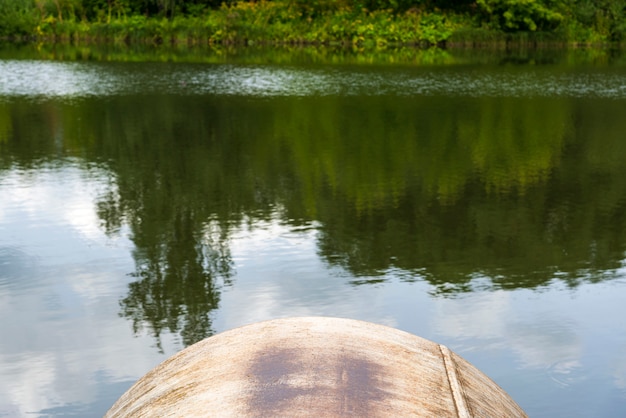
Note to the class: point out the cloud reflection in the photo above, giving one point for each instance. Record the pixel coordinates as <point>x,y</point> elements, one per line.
<point>543,339</point>
<point>279,274</point>
<point>620,370</point>
<point>60,347</point>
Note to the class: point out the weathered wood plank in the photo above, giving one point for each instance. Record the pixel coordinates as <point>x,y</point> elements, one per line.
<point>322,367</point>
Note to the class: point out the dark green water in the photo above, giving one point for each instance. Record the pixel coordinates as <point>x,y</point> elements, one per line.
<point>479,203</point>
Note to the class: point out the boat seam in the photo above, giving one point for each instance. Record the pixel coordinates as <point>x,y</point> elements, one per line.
<point>453,381</point>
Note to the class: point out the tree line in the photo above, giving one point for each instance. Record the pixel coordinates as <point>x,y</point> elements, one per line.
<point>577,20</point>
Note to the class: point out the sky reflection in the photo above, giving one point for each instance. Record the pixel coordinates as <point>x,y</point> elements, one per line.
<point>552,337</point>
<point>61,280</point>
<point>45,79</point>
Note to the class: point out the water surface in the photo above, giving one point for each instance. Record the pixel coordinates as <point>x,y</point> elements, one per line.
<point>477,203</point>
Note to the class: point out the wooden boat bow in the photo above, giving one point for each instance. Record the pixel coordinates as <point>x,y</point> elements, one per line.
<point>315,367</point>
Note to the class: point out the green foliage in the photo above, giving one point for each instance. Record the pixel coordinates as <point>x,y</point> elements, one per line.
<point>606,18</point>
<point>358,22</point>
<point>526,15</point>
<point>316,8</point>
<point>17,17</point>
<point>396,5</point>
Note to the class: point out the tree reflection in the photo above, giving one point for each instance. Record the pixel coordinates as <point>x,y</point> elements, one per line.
<point>163,189</point>
<point>515,191</point>
<point>517,195</point>
<point>182,259</point>
<point>175,285</point>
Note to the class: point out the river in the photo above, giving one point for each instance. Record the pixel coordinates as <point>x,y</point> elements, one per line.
<point>473,198</point>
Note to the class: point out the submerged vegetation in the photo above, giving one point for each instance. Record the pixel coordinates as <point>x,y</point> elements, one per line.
<point>335,22</point>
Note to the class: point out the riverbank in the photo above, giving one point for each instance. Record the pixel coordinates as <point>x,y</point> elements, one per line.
<point>309,54</point>
<point>287,23</point>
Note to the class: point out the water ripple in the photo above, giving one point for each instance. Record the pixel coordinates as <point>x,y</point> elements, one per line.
<point>42,79</point>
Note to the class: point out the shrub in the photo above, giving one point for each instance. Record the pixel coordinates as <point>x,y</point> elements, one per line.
<point>17,17</point>
<point>524,15</point>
